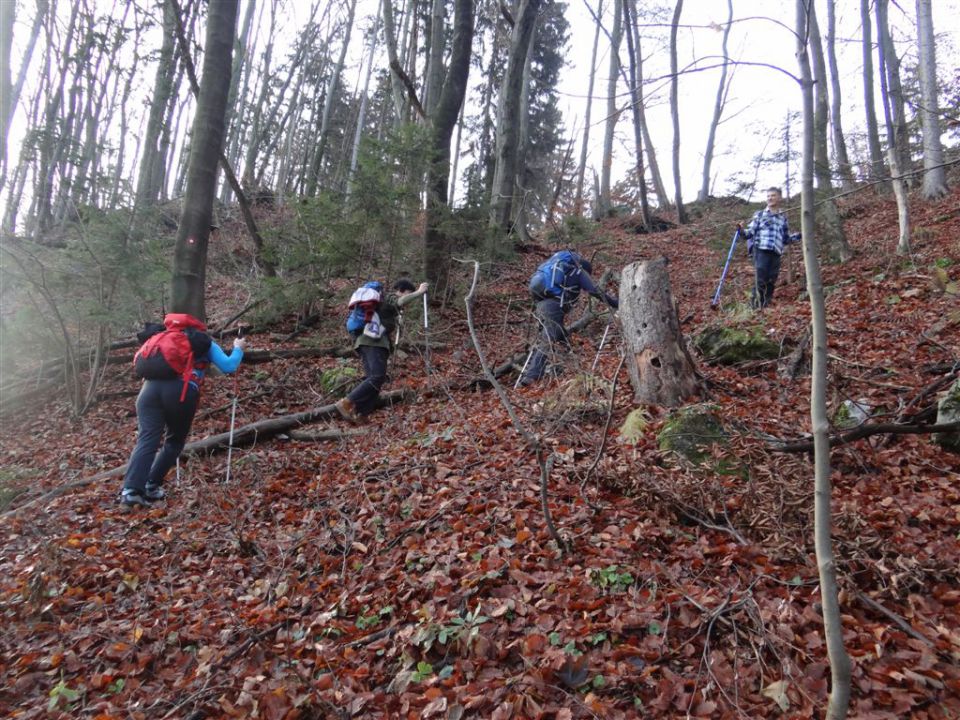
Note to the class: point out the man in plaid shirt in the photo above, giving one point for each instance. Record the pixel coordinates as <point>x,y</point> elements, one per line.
<point>767,234</point>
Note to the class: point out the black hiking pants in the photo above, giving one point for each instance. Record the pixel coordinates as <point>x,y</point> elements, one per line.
<point>364,396</point>
<point>767,264</point>
<point>549,314</point>
<point>160,416</point>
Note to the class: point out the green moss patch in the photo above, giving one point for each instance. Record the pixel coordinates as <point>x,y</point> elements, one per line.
<point>734,345</point>
<point>690,432</point>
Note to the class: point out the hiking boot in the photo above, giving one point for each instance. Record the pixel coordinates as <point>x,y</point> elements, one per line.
<point>347,409</point>
<point>153,493</point>
<point>133,498</point>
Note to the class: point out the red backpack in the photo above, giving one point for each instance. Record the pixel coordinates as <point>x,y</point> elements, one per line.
<point>172,353</point>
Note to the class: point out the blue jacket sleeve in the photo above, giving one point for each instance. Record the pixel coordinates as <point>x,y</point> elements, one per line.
<point>225,363</point>
<point>587,285</point>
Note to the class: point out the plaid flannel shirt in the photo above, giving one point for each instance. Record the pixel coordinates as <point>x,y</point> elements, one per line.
<point>768,231</point>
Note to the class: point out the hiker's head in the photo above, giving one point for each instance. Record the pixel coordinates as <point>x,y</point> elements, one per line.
<point>774,197</point>
<point>404,286</point>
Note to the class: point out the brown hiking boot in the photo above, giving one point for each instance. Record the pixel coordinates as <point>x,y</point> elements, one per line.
<point>347,409</point>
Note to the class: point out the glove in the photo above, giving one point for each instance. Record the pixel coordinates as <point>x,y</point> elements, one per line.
<point>739,228</point>
<point>239,344</point>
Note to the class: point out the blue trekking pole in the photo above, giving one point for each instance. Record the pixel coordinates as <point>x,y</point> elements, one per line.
<point>726,266</point>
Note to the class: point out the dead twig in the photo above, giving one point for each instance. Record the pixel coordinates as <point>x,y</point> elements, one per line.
<point>864,431</point>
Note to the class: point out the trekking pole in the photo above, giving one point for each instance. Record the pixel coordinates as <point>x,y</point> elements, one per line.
<point>603,340</point>
<point>726,266</point>
<point>426,334</point>
<point>233,417</point>
<point>523,369</point>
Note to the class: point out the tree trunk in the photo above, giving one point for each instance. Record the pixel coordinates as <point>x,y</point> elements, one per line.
<point>661,370</point>
<point>877,168</point>
<point>433,76</point>
<point>437,245</point>
<point>241,53</point>
<point>150,180</point>
<point>190,255</point>
<point>832,237</point>
<point>332,90</point>
<point>362,112</point>
<point>896,168</point>
<point>610,125</point>
<point>839,142</point>
<point>893,94</point>
<point>390,39</point>
<point>656,178</point>
<point>10,94</point>
<point>717,110</point>
<point>630,25</point>
<point>832,624</point>
<point>578,201</point>
<point>934,176</point>
<point>675,113</point>
<point>508,124</point>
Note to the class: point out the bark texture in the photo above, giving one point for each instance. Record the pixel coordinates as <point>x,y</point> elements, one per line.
<point>661,370</point>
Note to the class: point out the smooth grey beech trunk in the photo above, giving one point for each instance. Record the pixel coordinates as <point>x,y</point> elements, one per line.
<point>190,253</point>
<point>839,141</point>
<point>878,169</point>
<point>891,87</point>
<point>610,124</point>
<point>832,237</point>
<point>675,113</point>
<point>717,109</point>
<point>839,699</point>
<point>934,176</point>
<point>509,122</point>
<point>581,169</point>
<point>636,103</point>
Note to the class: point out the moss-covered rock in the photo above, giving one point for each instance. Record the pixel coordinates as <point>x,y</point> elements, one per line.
<point>852,413</point>
<point>635,426</point>
<point>948,410</point>
<point>732,345</point>
<point>691,431</point>
<point>336,381</point>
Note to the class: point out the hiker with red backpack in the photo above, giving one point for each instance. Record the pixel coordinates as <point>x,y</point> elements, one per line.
<point>555,287</point>
<point>172,361</point>
<point>372,321</point>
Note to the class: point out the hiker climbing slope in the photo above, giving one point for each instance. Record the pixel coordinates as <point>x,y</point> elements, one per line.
<point>767,234</point>
<point>372,320</point>
<point>555,286</point>
<point>172,362</point>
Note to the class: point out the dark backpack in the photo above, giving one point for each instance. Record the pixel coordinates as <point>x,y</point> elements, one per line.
<point>172,350</point>
<point>557,277</point>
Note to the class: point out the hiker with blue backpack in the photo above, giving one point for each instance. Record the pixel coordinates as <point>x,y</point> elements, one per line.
<point>555,287</point>
<point>372,321</point>
<point>172,362</point>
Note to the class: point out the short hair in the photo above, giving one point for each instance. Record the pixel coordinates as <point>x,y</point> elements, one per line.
<point>777,190</point>
<point>404,285</point>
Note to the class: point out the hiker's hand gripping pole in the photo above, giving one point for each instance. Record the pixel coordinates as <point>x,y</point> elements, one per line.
<point>726,266</point>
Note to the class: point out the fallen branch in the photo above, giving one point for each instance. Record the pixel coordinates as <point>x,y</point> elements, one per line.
<point>316,435</point>
<point>863,431</point>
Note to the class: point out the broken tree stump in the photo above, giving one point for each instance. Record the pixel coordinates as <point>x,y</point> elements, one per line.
<point>661,370</point>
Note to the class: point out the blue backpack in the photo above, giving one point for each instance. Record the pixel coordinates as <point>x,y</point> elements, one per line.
<point>557,277</point>
<point>363,305</point>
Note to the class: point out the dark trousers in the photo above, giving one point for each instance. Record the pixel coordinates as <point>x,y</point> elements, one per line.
<point>549,314</point>
<point>364,396</point>
<point>159,412</point>
<point>767,266</point>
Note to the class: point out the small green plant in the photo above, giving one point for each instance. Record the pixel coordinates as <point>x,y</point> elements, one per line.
<point>63,692</point>
<point>611,578</point>
<point>943,262</point>
<point>424,670</point>
<point>463,629</point>
<point>116,687</point>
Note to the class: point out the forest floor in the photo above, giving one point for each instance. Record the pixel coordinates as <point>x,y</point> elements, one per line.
<point>408,572</point>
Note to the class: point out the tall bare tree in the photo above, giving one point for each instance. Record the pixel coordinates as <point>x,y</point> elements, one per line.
<point>839,141</point>
<point>675,112</point>
<point>934,176</point>
<point>636,102</point>
<point>190,254</point>
<point>877,168</point>
<point>833,238</point>
<point>832,623</point>
<point>891,87</point>
<point>578,200</point>
<point>437,245</point>
<point>717,109</point>
<point>606,164</point>
<point>510,120</point>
